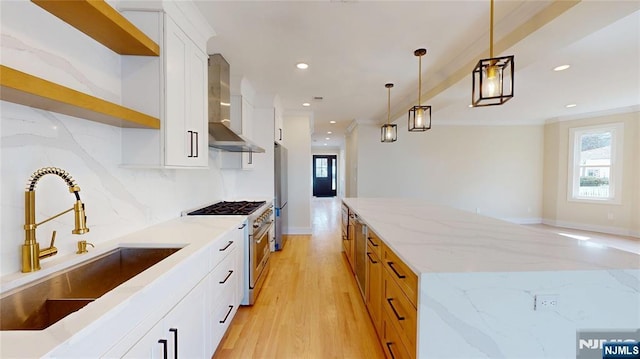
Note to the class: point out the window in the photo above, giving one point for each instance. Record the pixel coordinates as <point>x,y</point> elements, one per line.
<point>322,167</point>
<point>595,166</point>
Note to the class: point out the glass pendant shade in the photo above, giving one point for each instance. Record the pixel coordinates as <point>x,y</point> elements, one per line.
<point>389,133</point>
<point>419,118</point>
<point>493,81</point>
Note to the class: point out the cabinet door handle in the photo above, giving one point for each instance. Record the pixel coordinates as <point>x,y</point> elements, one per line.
<point>227,246</point>
<point>164,348</point>
<point>372,261</point>
<point>175,341</point>
<point>401,276</point>
<point>280,134</point>
<point>227,277</point>
<point>196,144</point>
<point>390,351</point>
<point>390,300</point>
<point>227,316</point>
<point>190,144</point>
<point>250,158</point>
<point>372,242</point>
<point>242,226</point>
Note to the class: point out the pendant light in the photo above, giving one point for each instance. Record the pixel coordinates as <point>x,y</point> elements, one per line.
<point>389,132</point>
<point>419,116</point>
<point>492,77</point>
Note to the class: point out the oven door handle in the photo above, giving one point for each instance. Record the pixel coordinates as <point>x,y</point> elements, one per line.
<point>263,232</point>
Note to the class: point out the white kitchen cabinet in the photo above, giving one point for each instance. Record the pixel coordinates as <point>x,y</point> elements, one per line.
<point>172,87</point>
<point>242,124</point>
<point>182,333</point>
<point>278,120</point>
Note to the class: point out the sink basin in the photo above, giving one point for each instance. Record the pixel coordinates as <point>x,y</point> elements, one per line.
<point>40,304</point>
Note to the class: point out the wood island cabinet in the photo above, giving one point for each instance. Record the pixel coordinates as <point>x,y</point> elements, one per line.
<point>390,293</point>
<point>373,291</point>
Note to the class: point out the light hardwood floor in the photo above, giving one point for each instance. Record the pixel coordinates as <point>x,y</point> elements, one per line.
<point>310,306</point>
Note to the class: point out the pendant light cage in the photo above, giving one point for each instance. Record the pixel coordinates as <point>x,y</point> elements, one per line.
<point>419,116</point>
<point>493,81</point>
<point>492,78</point>
<point>388,131</point>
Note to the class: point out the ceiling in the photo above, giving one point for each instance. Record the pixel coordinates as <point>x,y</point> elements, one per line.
<point>355,47</point>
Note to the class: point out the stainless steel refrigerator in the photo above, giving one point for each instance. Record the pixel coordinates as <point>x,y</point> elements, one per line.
<point>280,201</point>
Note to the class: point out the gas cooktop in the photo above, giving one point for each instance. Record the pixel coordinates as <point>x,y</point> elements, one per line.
<point>228,208</point>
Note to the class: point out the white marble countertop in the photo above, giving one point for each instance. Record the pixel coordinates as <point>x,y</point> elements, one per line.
<point>192,233</point>
<point>437,239</point>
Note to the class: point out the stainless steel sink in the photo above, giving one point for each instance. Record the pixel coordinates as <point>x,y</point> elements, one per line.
<point>38,305</point>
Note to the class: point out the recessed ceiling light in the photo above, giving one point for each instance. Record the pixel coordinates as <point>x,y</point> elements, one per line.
<point>325,144</point>
<point>327,138</point>
<point>306,104</point>
<point>329,132</point>
<point>332,121</point>
<point>561,67</point>
<point>302,66</point>
<point>571,105</point>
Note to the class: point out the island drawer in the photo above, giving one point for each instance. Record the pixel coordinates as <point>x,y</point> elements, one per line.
<point>374,242</point>
<point>399,312</point>
<point>400,272</point>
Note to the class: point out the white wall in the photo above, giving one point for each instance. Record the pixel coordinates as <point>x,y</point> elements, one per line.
<point>623,218</point>
<point>495,170</point>
<point>297,141</point>
<point>118,200</point>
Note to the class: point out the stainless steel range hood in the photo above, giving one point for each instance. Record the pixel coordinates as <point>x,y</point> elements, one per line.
<point>220,135</point>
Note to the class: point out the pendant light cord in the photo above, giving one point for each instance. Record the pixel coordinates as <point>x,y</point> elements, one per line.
<point>491,33</point>
<point>388,104</point>
<point>419,79</point>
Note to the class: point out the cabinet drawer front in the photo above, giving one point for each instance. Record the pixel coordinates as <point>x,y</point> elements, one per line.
<point>224,277</point>
<point>402,313</point>
<point>222,248</point>
<point>392,345</point>
<point>224,310</point>
<point>400,272</point>
<point>373,298</point>
<point>374,242</point>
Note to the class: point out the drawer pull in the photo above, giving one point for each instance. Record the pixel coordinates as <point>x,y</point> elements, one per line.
<point>227,316</point>
<point>390,351</point>
<point>394,309</point>
<point>242,226</point>
<point>401,276</point>
<point>227,277</point>
<point>227,246</point>
<point>164,348</point>
<point>175,341</point>
<point>372,242</point>
<point>372,261</point>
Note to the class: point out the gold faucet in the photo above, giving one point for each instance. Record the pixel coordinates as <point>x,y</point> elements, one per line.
<point>31,252</point>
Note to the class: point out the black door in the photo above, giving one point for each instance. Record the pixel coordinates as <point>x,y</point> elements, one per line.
<point>324,175</point>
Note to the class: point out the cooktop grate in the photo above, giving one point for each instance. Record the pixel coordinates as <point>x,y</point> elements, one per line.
<point>228,208</point>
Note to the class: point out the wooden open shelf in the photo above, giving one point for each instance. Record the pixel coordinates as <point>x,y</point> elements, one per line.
<point>103,23</point>
<point>25,89</point>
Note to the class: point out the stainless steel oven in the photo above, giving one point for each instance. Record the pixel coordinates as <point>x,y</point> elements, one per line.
<point>257,236</point>
<point>259,252</point>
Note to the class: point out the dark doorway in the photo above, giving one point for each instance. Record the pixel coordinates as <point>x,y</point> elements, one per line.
<point>324,175</point>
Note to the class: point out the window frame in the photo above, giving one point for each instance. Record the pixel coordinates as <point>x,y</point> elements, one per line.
<point>615,168</point>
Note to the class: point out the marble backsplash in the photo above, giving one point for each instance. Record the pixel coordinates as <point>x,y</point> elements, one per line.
<point>118,200</point>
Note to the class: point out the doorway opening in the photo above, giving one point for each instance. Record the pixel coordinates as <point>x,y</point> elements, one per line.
<point>325,175</point>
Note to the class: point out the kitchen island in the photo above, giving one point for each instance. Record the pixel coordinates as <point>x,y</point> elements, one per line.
<point>492,289</point>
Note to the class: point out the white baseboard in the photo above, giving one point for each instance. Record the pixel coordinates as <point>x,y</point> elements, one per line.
<point>532,220</point>
<point>593,228</point>
<point>299,230</point>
